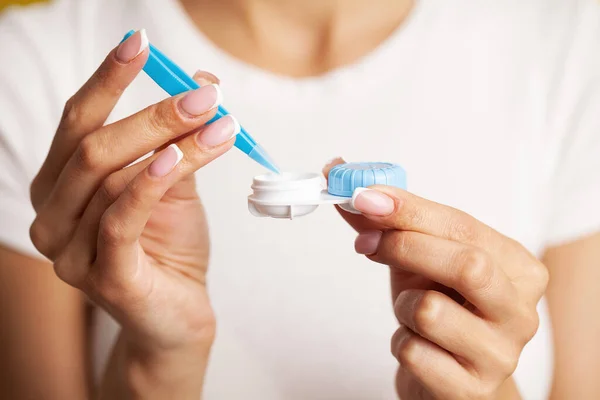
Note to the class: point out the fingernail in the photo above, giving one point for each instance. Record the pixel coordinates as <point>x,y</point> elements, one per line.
<point>367,242</point>
<point>166,161</point>
<point>134,45</point>
<point>201,100</point>
<point>219,132</point>
<point>205,78</point>
<point>330,164</point>
<point>369,201</point>
<point>334,161</point>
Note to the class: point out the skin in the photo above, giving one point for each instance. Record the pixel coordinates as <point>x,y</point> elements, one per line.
<point>465,295</point>
<point>108,238</point>
<point>573,298</point>
<point>150,359</point>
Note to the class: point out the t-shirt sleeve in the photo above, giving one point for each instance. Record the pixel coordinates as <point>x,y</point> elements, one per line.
<point>575,185</point>
<point>32,94</point>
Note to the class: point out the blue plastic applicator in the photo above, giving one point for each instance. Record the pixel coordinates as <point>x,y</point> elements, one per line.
<point>174,81</point>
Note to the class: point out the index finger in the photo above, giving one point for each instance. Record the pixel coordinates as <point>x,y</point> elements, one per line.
<point>394,208</point>
<point>89,108</point>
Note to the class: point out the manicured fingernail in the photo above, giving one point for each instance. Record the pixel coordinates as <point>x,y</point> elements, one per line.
<point>332,163</point>
<point>201,100</point>
<point>134,45</point>
<point>166,161</point>
<point>369,201</point>
<point>367,242</point>
<point>205,78</point>
<point>219,132</point>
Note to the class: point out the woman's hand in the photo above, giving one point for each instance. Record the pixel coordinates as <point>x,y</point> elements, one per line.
<point>134,237</point>
<point>464,294</point>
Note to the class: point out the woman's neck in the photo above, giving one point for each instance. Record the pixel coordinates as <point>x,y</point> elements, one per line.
<point>298,37</point>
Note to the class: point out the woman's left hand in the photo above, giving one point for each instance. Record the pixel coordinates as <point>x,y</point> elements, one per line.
<point>464,294</point>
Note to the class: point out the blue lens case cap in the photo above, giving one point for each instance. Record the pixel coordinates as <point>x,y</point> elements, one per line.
<point>343,179</point>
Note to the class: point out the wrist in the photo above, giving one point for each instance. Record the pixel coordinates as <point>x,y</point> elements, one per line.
<point>160,375</point>
<point>139,372</point>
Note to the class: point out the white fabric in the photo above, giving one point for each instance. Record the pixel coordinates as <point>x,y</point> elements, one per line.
<point>491,106</point>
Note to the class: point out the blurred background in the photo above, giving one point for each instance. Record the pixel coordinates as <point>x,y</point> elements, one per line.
<point>4,3</point>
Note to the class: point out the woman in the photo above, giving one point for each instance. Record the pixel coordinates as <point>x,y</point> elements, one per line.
<point>492,107</point>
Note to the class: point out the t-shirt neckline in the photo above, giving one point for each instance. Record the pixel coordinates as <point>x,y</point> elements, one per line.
<point>385,59</point>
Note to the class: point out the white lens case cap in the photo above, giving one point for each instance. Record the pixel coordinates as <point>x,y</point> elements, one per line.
<point>289,195</point>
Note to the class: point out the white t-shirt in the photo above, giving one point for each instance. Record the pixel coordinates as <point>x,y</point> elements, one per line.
<point>492,107</point>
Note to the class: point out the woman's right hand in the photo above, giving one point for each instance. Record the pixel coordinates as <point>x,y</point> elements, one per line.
<point>133,237</point>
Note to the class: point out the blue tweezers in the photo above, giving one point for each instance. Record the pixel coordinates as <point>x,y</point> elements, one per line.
<point>174,81</point>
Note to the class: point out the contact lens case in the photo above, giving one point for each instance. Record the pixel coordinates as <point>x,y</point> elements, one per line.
<point>289,195</point>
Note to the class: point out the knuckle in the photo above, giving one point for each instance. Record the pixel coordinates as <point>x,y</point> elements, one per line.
<point>63,269</point>
<point>412,216</point>
<point>162,117</point>
<point>396,339</point>
<point>533,325</point>
<point>506,362</point>
<point>89,154</point>
<point>536,270</point>
<point>427,311</point>
<point>541,276</point>
<point>475,271</point>
<point>402,242</point>
<point>408,352</point>
<point>111,230</point>
<point>71,113</point>
<point>529,323</point>
<point>460,228</point>
<point>203,324</point>
<point>41,237</point>
<point>34,192</point>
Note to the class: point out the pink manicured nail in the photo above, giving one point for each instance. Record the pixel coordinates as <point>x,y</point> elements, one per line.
<point>205,78</point>
<point>201,100</point>
<point>166,161</point>
<point>218,132</point>
<point>368,242</point>
<point>369,201</point>
<point>134,45</point>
